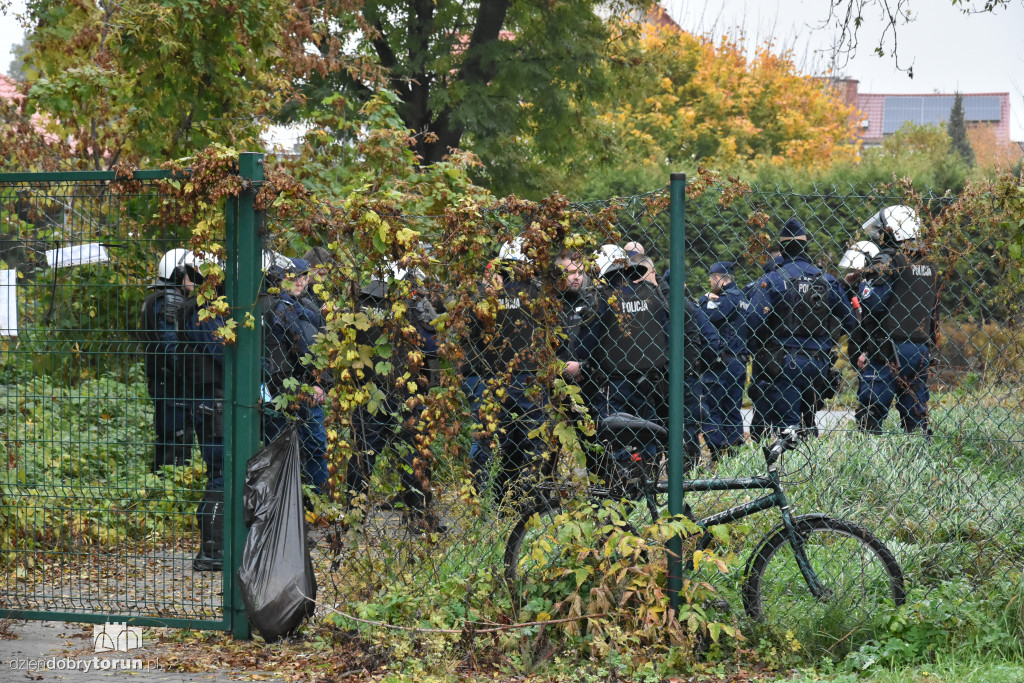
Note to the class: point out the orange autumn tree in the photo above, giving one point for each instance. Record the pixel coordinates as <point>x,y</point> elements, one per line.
<point>684,98</point>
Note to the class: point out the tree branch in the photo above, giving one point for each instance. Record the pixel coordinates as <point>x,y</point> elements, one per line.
<point>490,18</point>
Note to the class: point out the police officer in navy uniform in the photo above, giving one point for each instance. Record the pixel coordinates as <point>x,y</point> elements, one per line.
<point>289,330</point>
<point>902,298</point>
<point>395,420</point>
<point>629,342</point>
<point>703,348</point>
<point>172,419</point>
<point>201,357</point>
<point>502,355</point>
<point>723,384</point>
<point>797,313</point>
<point>754,345</point>
<point>856,265</point>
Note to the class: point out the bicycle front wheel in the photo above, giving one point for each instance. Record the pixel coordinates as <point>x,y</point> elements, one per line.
<point>857,575</point>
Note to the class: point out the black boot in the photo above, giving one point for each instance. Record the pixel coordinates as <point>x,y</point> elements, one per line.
<point>211,532</point>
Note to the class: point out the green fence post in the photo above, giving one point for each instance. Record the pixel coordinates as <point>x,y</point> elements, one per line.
<point>242,369</point>
<point>677,309</point>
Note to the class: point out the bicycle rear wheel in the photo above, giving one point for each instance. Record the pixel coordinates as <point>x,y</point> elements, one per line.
<point>532,547</point>
<point>548,539</point>
<point>859,574</point>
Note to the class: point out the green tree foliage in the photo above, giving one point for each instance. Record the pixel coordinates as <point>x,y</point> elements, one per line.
<point>957,129</point>
<point>500,78</point>
<point>921,152</point>
<point>141,80</point>
<point>369,151</point>
<point>681,100</point>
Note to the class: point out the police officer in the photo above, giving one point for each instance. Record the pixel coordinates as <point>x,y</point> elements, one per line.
<point>627,340</point>
<point>201,357</point>
<point>702,348</point>
<point>289,330</point>
<point>855,264</point>
<point>722,384</point>
<point>902,299</point>
<point>172,421</point>
<point>796,313</point>
<point>395,421</point>
<point>502,357</point>
<point>754,345</point>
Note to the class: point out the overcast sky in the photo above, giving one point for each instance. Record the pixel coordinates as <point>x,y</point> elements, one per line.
<point>949,51</point>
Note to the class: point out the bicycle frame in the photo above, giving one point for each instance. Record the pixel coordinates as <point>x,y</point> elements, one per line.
<point>775,499</point>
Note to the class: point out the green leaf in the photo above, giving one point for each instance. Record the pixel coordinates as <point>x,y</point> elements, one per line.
<point>581,575</point>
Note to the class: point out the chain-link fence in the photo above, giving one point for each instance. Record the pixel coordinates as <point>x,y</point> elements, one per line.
<point>878,323</point>
<point>459,379</point>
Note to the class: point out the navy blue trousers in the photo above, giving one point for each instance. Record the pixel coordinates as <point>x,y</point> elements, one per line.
<point>903,379</point>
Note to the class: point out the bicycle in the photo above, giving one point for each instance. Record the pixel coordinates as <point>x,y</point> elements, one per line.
<point>814,565</point>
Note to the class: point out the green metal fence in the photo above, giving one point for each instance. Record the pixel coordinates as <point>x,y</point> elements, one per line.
<point>94,529</point>
<point>427,455</point>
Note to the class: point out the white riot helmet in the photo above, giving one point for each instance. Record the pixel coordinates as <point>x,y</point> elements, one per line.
<point>172,265</point>
<point>192,264</point>
<point>272,259</point>
<point>898,222</point>
<point>859,256</point>
<point>610,258</point>
<point>513,251</point>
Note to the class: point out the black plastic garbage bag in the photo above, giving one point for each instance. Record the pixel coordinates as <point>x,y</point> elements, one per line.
<point>276,576</point>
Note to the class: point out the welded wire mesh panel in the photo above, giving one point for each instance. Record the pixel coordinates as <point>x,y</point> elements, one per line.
<point>102,469</point>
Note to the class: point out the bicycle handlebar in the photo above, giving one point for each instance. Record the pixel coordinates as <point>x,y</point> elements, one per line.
<point>787,441</point>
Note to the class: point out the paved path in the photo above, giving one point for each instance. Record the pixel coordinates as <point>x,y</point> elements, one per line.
<point>828,420</point>
<point>57,651</point>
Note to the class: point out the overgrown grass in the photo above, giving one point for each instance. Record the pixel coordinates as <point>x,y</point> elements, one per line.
<point>78,474</point>
<point>948,507</point>
<point>78,469</point>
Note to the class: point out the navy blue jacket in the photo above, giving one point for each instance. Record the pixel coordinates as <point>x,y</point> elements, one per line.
<point>287,322</point>
<point>728,314</point>
<point>201,353</point>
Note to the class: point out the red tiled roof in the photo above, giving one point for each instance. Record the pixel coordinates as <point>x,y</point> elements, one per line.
<point>8,88</point>
<point>9,92</point>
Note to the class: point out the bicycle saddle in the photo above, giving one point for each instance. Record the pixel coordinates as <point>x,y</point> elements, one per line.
<point>617,422</point>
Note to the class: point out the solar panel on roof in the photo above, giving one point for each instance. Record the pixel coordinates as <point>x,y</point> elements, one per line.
<point>899,109</point>
<point>983,107</point>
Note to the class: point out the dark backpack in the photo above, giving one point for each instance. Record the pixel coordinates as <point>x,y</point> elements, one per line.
<point>808,307</point>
